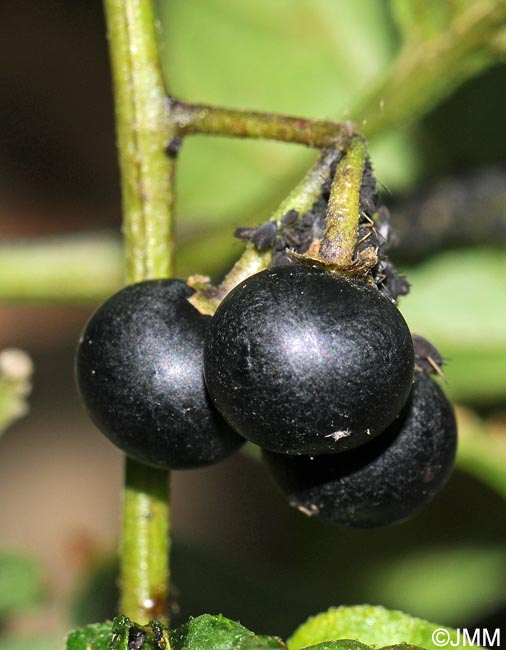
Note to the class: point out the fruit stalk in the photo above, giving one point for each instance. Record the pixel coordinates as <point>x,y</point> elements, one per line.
<point>340,237</point>
<point>190,119</point>
<point>146,178</point>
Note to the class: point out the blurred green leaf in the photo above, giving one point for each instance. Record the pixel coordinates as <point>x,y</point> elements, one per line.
<point>457,301</point>
<point>20,583</point>
<point>458,568</point>
<point>309,58</point>
<point>219,633</point>
<point>482,451</point>
<point>97,595</point>
<point>370,625</point>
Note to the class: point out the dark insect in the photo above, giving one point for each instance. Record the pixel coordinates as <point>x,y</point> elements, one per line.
<point>290,217</point>
<point>173,148</point>
<point>427,357</point>
<point>265,236</point>
<point>244,233</point>
<point>136,638</point>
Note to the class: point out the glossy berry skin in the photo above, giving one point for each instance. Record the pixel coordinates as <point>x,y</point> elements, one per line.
<point>385,481</point>
<point>139,373</point>
<point>302,361</point>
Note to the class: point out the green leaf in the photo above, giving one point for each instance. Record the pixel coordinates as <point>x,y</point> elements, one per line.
<point>482,451</point>
<point>371,625</point>
<point>342,644</point>
<point>121,634</point>
<point>456,302</point>
<point>206,631</point>
<point>441,581</point>
<point>402,646</point>
<point>91,637</point>
<point>20,583</point>
<point>309,58</point>
<point>219,633</point>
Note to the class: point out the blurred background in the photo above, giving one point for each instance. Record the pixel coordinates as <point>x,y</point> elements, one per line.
<point>238,549</point>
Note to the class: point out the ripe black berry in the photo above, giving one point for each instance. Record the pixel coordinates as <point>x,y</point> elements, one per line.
<point>139,373</point>
<point>302,361</point>
<point>384,481</point>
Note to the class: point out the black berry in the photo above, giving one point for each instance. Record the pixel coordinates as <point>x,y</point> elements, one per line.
<point>384,481</point>
<point>139,373</point>
<point>302,361</point>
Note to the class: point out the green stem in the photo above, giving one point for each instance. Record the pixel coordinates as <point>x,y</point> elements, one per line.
<point>142,130</point>
<point>146,174</point>
<point>343,211</point>
<point>144,568</point>
<point>76,269</point>
<point>207,298</point>
<point>426,72</point>
<point>189,119</point>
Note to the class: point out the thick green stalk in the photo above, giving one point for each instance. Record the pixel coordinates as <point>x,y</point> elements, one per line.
<point>145,544</point>
<point>142,131</point>
<point>146,174</point>
<point>340,237</point>
<point>215,120</point>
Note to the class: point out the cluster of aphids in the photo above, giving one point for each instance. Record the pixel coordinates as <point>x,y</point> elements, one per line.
<point>295,233</point>
<point>317,368</point>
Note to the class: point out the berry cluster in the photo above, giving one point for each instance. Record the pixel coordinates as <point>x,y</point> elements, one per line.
<point>318,368</point>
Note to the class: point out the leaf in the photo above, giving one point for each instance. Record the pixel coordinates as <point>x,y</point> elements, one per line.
<point>20,583</point>
<point>206,631</point>
<point>349,644</point>
<point>121,634</point>
<point>455,302</point>
<point>309,58</point>
<point>91,637</point>
<point>371,625</point>
<point>482,450</point>
<point>342,644</point>
<point>440,581</point>
<point>219,633</point>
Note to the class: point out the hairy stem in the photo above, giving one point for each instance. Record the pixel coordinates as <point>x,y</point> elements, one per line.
<point>339,239</point>
<point>214,120</point>
<point>146,175</point>
<point>143,128</point>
